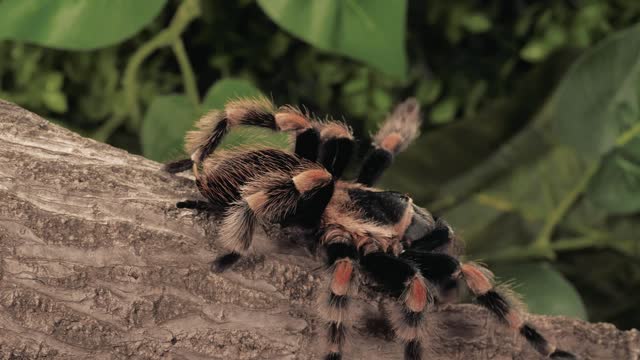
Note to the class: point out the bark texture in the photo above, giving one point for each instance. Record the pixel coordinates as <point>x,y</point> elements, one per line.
<point>96,262</point>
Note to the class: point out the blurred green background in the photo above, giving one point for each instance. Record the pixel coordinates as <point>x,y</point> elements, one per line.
<point>530,146</point>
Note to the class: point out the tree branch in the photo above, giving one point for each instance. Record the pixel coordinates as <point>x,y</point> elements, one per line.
<point>96,262</point>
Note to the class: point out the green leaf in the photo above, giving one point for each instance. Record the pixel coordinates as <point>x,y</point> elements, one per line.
<point>55,101</point>
<point>75,24</point>
<point>534,51</point>
<point>543,171</point>
<point>537,187</point>
<point>428,91</point>
<point>446,154</point>
<point>167,120</point>
<point>616,187</point>
<point>555,36</point>
<point>596,105</point>
<point>543,289</point>
<point>476,23</point>
<point>444,111</point>
<point>228,89</point>
<point>372,31</point>
<point>532,192</point>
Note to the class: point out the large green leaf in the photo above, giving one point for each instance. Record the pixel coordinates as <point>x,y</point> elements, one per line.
<point>573,148</point>
<point>228,89</point>
<point>544,290</point>
<point>168,118</point>
<point>598,101</point>
<point>532,192</point>
<point>434,164</point>
<point>372,31</point>
<point>75,24</point>
<point>616,187</point>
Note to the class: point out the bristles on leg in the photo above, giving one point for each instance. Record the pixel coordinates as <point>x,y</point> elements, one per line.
<point>398,131</point>
<point>255,112</point>
<point>535,339</point>
<point>333,356</point>
<point>506,308</point>
<point>200,143</point>
<point>236,230</point>
<point>413,350</point>
<point>400,128</point>
<point>213,126</point>
<point>336,147</point>
<point>177,166</point>
<point>340,256</point>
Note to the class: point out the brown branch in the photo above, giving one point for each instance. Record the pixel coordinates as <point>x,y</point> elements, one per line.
<point>96,262</point>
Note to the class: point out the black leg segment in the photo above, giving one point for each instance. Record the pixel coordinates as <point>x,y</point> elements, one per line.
<point>308,144</point>
<point>177,166</point>
<point>335,154</point>
<point>376,162</point>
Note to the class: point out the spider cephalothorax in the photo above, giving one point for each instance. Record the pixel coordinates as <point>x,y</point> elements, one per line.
<point>401,248</point>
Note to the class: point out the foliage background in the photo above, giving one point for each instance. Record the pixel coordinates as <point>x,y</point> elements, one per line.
<point>531,109</point>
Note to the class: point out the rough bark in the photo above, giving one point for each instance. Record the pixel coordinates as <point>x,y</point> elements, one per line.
<point>96,262</point>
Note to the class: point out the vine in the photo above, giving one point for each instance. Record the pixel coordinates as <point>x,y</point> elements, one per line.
<point>188,11</point>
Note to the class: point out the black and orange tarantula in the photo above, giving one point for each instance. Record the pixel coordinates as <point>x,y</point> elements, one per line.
<point>403,249</point>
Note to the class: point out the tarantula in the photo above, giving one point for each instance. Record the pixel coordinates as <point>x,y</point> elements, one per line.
<point>401,248</point>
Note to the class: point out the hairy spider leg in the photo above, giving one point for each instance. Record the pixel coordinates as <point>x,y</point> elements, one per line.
<point>431,254</point>
<point>178,166</point>
<point>398,130</point>
<point>439,239</point>
<point>307,144</point>
<point>405,282</point>
<point>341,254</point>
<point>336,147</point>
<point>435,254</point>
<point>499,303</point>
<point>271,198</point>
<point>260,112</point>
<point>195,205</point>
<point>440,269</point>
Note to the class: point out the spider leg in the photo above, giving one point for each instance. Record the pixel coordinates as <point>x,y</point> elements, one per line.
<point>396,133</point>
<point>195,204</point>
<point>479,281</point>
<point>340,257</point>
<point>435,254</point>
<point>336,147</point>
<point>404,281</point>
<point>272,198</point>
<point>260,112</point>
<point>308,144</point>
<point>439,239</point>
<point>432,254</point>
<point>436,267</point>
<point>177,166</point>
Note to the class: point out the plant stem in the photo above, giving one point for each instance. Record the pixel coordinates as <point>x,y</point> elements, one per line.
<point>515,253</point>
<point>542,247</point>
<point>108,127</point>
<point>578,243</point>
<point>534,251</point>
<point>187,12</point>
<point>188,77</point>
<point>544,238</point>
